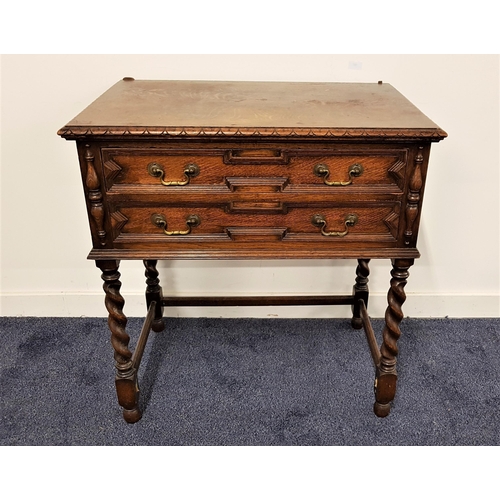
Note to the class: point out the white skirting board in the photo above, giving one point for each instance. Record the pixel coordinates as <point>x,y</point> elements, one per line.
<point>92,305</point>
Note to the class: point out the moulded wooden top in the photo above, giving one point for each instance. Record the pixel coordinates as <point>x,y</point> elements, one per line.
<point>218,108</point>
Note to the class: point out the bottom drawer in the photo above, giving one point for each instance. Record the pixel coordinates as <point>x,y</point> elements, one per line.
<point>191,225</point>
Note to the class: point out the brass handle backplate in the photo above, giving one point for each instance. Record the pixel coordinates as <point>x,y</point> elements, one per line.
<point>157,170</point>
<point>320,221</point>
<point>322,170</point>
<point>160,221</point>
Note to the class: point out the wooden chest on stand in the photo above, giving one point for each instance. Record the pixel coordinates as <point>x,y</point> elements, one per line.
<point>252,170</point>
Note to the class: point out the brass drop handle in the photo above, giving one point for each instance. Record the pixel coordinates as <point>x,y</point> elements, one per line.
<point>160,221</point>
<point>322,170</point>
<point>320,221</point>
<point>157,170</point>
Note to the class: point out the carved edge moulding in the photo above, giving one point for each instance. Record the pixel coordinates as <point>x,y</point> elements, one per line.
<point>362,133</point>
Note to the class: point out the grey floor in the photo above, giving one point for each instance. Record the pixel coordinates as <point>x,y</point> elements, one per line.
<point>254,382</point>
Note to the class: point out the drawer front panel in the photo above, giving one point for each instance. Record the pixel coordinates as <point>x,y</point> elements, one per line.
<point>130,168</point>
<point>325,225</point>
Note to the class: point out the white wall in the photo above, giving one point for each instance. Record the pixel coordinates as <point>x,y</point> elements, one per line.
<point>44,231</point>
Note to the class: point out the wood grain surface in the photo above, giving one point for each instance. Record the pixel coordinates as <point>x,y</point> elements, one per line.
<point>266,108</point>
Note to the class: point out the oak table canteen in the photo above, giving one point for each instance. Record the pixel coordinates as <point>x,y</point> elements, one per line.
<point>252,170</point>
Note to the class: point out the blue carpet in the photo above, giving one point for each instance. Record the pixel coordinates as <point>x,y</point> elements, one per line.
<point>274,382</point>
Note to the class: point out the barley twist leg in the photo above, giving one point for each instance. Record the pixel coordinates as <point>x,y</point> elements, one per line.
<point>360,291</point>
<point>386,378</point>
<point>127,388</point>
<point>154,293</point>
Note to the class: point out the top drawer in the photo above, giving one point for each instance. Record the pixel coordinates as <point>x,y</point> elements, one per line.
<point>125,168</point>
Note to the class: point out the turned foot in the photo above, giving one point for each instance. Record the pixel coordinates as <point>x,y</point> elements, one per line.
<point>357,323</point>
<point>158,325</point>
<point>385,390</point>
<point>132,416</point>
<point>381,410</point>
